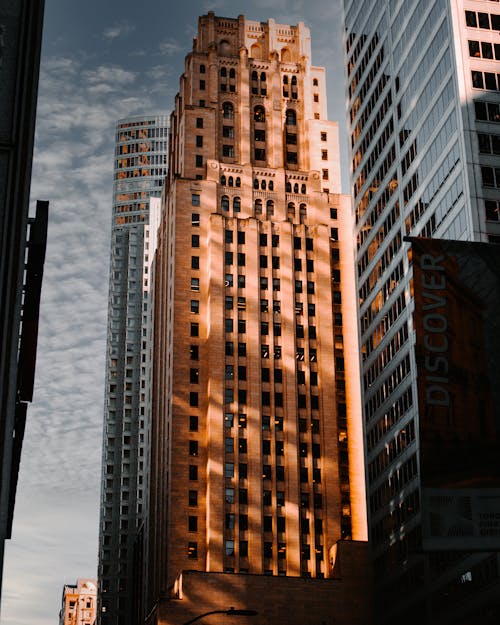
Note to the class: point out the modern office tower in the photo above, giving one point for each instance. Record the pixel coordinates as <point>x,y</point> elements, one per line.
<point>424,108</point>
<point>140,168</point>
<point>79,603</point>
<point>22,239</point>
<point>257,477</point>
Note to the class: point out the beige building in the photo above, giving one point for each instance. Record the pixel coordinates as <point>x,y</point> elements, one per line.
<point>257,465</point>
<point>79,603</point>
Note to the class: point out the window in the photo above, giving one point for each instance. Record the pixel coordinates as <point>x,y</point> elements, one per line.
<point>227,110</point>
<point>229,469</point>
<point>242,349</point>
<point>276,284</point>
<point>193,352</point>
<point>242,446</point>
<point>229,348</point>
<point>229,445</point>
<point>228,325</point>
<point>193,398</point>
<point>259,114</point>
<point>291,118</point>
<point>259,154</point>
<point>192,523</point>
<point>229,495</point>
<point>195,262</point>
<point>316,97</point>
<point>324,155</point>
<point>228,151</point>
<point>195,284</point>
<point>228,256</point>
<point>228,132</point>
<point>193,498</point>
<point>242,326</point>
<point>199,160</point>
<point>199,141</point>
<point>193,472</point>
<point>241,282</point>
<point>325,174</point>
<point>324,136</point>
<point>195,329</point>
<point>228,304</point>
<point>266,498</point>
<point>241,234</point>
<point>241,259</point>
<point>199,122</point>
<point>195,220</point>
<point>193,423</point>
<point>242,420</point>
<point>195,306</point>
<point>192,551</point>
<point>194,375</point>
<point>195,199</point>
<point>195,240</point>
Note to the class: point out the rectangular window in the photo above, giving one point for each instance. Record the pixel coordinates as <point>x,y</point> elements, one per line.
<point>195,200</point>
<point>229,469</point>
<point>229,496</point>
<point>228,132</point>
<point>242,350</point>
<point>193,472</point>
<point>229,348</point>
<point>199,122</point>
<point>241,259</point>
<point>199,160</point>
<point>199,141</point>
<point>323,136</point>
<point>193,352</point>
<point>260,154</point>
<point>242,326</point>
<point>192,551</point>
<point>202,85</point>
<point>228,151</point>
<point>193,398</point>
<point>195,240</point>
<point>194,375</point>
<point>241,281</point>
<point>193,423</point>
<point>193,498</point>
<point>195,306</point>
<point>241,237</point>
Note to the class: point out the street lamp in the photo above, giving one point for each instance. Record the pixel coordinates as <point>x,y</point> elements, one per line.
<point>230,612</point>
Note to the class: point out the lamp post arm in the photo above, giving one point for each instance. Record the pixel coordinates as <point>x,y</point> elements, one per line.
<point>197,618</point>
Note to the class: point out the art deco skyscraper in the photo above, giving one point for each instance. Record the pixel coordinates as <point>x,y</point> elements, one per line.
<point>140,169</point>
<point>424,108</point>
<point>257,469</point>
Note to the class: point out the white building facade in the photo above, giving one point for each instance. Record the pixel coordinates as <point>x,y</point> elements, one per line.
<point>139,172</point>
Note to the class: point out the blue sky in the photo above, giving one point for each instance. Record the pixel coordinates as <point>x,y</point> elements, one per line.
<point>100,61</point>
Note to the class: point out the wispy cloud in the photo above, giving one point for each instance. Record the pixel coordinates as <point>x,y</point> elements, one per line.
<point>170,47</point>
<point>119,29</point>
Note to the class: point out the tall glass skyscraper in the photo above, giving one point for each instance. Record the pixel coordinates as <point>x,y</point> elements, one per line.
<point>140,168</point>
<point>423,113</point>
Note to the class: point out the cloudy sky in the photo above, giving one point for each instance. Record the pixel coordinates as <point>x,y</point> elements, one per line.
<point>101,60</point>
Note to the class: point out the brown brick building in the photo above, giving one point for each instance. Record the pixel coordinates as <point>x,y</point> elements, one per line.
<point>256,450</point>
